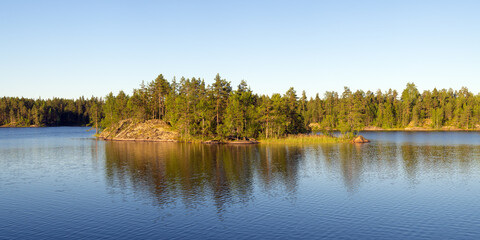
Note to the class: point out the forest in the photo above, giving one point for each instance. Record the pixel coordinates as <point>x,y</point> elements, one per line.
<point>25,112</point>
<point>197,109</point>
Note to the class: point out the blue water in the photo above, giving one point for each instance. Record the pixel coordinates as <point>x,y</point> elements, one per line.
<point>60,183</point>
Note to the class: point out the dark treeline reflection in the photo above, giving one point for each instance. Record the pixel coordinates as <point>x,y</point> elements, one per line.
<point>198,173</point>
<point>223,175</point>
<point>412,162</point>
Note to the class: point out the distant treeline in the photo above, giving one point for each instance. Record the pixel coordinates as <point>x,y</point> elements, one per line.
<point>195,108</point>
<point>24,112</point>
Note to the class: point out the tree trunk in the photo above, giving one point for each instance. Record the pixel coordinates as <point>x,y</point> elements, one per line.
<point>218,102</point>
<point>203,128</point>
<point>96,120</point>
<point>161,107</point>
<point>266,135</point>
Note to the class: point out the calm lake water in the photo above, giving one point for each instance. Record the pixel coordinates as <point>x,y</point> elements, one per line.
<point>62,183</point>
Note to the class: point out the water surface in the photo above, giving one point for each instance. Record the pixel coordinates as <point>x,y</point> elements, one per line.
<point>61,183</point>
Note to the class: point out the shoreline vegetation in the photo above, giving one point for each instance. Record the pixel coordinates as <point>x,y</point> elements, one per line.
<point>189,110</point>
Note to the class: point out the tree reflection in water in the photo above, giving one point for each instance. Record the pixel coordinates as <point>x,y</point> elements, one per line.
<point>195,173</point>
<point>225,174</point>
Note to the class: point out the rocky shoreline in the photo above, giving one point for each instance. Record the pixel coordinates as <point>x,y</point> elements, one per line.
<point>134,130</point>
<point>153,131</point>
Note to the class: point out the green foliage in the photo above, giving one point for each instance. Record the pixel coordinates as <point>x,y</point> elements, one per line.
<point>200,111</point>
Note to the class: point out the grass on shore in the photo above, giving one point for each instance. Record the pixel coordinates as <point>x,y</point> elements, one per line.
<point>290,139</point>
<point>305,139</point>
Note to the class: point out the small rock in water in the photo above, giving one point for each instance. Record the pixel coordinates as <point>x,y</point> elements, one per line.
<point>360,139</point>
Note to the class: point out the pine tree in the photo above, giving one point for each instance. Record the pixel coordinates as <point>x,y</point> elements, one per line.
<point>221,90</point>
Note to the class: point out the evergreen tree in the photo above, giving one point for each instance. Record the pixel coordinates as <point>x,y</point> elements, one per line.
<point>221,90</point>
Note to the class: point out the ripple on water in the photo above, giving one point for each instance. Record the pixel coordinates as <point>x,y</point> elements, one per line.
<point>55,183</point>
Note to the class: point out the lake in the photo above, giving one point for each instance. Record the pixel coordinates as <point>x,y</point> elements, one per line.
<point>62,183</point>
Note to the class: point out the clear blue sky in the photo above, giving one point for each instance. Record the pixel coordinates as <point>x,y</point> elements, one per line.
<point>74,48</point>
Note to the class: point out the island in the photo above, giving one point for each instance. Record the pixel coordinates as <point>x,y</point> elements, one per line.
<point>191,110</point>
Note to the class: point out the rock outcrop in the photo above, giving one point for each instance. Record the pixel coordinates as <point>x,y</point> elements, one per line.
<point>133,130</point>
<point>244,141</point>
<point>360,139</point>
<point>248,141</point>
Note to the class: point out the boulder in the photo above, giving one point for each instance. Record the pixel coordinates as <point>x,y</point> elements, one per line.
<point>212,142</point>
<point>360,139</point>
